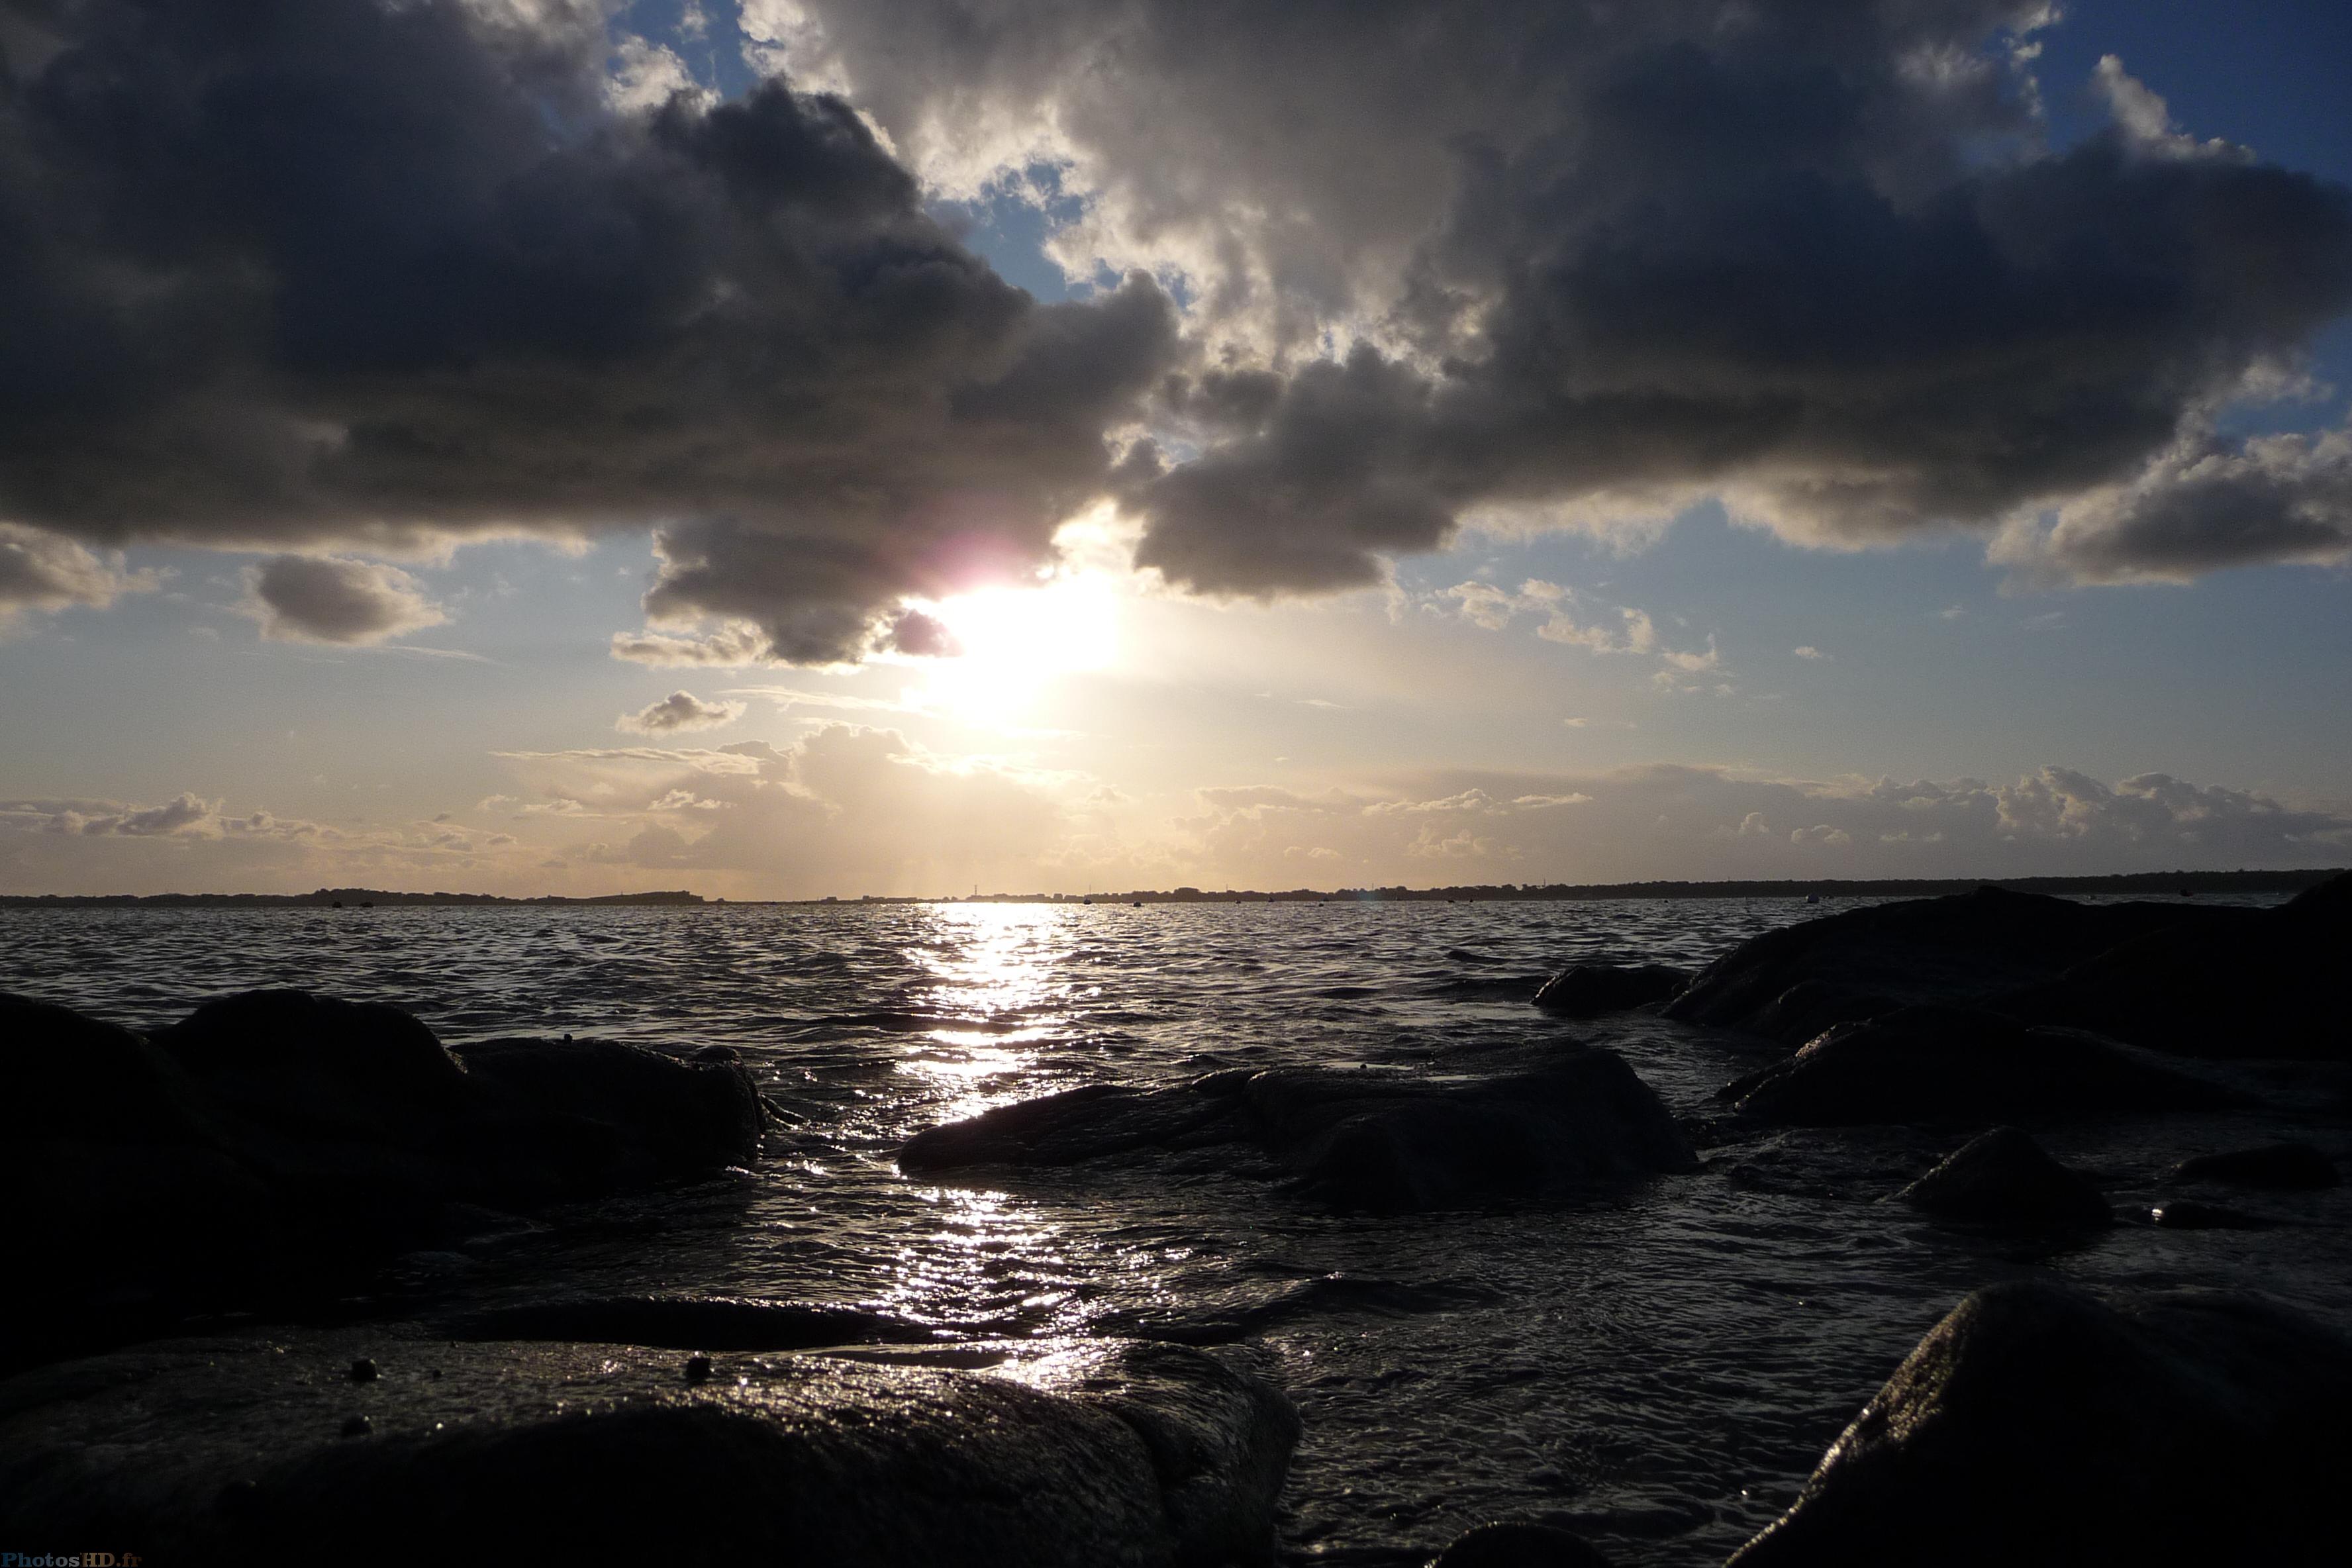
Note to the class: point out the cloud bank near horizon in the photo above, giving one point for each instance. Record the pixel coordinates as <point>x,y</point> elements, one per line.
<point>846,809</point>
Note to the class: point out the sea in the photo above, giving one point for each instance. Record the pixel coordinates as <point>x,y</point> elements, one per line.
<point>1656,1366</point>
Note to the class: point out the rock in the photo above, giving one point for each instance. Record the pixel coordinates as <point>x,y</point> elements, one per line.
<point>1061,1454</point>
<point>1589,989</point>
<point>1359,1139</point>
<point>1518,1543</point>
<point>1962,951</point>
<point>2188,979</point>
<point>2266,986</point>
<point>66,1077</point>
<point>2284,1166</point>
<point>320,1066</point>
<point>677,1118</point>
<point>2003,1177</point>
<point>2039,1426</point>
<point>273,1137</point>
<point>1948,1064</point>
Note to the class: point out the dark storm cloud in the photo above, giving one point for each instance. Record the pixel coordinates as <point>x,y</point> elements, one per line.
<point>2203,505</point>
<point>304,272</point>
<point>1812,256</point>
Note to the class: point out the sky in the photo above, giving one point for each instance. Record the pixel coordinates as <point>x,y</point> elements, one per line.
<point>811,447</point>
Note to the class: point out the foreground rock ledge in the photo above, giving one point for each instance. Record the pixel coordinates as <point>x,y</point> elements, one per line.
<point>1058,1454</point>
<point>2038,1424</point>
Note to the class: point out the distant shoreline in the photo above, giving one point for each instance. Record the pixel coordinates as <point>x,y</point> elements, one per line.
<point>2160,884</point>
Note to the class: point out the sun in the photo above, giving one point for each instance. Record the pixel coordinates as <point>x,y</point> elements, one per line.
<point>1016,643</point>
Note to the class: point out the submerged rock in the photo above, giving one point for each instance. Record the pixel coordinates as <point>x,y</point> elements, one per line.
<point>1949,1064</point>
<point>2003,1177</point>
<point>1518,1543</point>
<point>1359,1138</point>
<point>272,1133</point>
<point>1059,1454</point>
<point>2283,1166</point>
<point>2037,1424</point>
<point>1591,990</point>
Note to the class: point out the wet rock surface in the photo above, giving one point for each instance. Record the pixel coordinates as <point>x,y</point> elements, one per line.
<point>2004,1177</point>
<point>2189,1213</point>
<point>2041,1425</point>
<point>1951,1064</point>
<point>262,1449</point>
<point>1591,990</point>
<point>1365,1139</point>
<point>271,1133</point>
<point>683,1322</point>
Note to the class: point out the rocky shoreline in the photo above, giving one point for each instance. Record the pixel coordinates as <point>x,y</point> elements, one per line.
<point>246,1158</point>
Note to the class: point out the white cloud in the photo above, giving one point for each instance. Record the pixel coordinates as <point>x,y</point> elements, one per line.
<point>732,644</point>
<point>41,570</point>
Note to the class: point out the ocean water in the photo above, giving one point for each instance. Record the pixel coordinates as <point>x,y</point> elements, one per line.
<point>1657,1366</point>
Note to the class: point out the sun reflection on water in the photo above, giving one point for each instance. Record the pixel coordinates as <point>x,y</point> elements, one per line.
<point>997,984</point>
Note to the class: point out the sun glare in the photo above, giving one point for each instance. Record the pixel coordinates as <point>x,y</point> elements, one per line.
<point>1016,642</point>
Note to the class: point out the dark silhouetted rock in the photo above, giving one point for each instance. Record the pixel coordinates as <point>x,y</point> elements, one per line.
<point>320,1065</point>
<point>1964,951</point>
<point>2268,985</point>
<point>1948,1064</point>
<point>1089,1455</point>
<point>1359,1138</point>
<point>1518,1543</point>
<point>2039,1425</point>
<point>1589,989</point>
<point>2004,1177</point>
<point>2188,1214</point>
<point>63,1075</point>
<point>2283,1166</point>
<point>2187,979</point>
<point>678,1118</point>
<point>274,1134</point>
